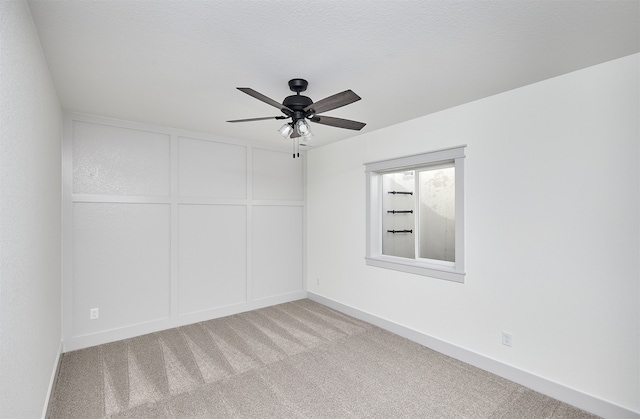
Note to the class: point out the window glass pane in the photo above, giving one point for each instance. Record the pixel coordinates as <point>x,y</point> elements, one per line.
<point>398,218</point>
<point>437,214</point>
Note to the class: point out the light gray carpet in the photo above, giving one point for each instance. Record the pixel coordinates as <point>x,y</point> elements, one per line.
<point>294,360</point>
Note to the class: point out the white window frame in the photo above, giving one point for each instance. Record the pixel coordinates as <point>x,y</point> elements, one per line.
<point>432,268</point>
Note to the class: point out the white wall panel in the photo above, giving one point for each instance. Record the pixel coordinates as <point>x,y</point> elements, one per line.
<point>121,263</point>
<point>159,228</point>
<point>209,169</point>
<point>112,160</point>
<point>277,176</point>
<point>212,257</point>
<point>551,230</point>
<point>277,250</point>
<point>30,218</point>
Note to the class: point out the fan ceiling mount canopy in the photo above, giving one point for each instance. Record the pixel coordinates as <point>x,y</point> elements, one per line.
<point>301,108</point>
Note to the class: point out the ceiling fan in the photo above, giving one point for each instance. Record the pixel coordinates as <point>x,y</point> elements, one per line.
<point>301,108</point>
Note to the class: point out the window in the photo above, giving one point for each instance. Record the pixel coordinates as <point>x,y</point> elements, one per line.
<point>415,214</point>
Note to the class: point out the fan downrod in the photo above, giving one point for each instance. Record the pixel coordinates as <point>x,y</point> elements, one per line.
<point>298,85</point>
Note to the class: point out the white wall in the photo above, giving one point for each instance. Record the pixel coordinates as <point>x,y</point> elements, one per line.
<point>30,203</point>
<point>165,227</point>
<point>552,230</point>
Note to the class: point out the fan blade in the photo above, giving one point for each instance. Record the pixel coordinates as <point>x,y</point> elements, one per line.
<point>263,98</point>
<point>259,119</point>
<point>338,122</point>
<point>333,102</point>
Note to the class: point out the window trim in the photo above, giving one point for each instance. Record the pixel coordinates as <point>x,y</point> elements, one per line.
<point>374,256</point>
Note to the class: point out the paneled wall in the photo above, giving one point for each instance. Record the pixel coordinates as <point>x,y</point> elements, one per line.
<point>164,228</point>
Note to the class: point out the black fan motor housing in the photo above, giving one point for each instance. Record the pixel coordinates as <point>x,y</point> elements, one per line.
<point>297,102</point>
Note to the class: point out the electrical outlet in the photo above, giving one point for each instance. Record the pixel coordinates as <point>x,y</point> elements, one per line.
<point>93,314</point>
<point>507,339</point>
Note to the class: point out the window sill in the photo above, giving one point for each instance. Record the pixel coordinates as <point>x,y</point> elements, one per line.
<point>415,267</point>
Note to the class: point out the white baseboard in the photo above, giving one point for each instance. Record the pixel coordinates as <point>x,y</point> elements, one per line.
<point>52,382</point>
<point>535,382</point>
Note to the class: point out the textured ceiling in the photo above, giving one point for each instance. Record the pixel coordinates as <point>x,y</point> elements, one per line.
<point>177,63</point>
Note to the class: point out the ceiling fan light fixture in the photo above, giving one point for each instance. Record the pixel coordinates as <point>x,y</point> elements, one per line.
<point>303,128</point>
<point>286,130</point>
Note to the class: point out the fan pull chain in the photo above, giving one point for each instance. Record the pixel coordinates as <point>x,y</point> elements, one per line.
<point>296,147</point>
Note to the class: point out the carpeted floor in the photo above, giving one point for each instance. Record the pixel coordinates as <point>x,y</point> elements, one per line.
<point>294,360</point>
